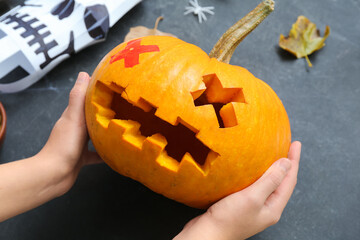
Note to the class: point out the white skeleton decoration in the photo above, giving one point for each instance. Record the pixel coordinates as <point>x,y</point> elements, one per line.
<point>39,34</point>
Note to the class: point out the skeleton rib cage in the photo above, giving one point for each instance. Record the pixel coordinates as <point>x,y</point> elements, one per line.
<point>38,37</point>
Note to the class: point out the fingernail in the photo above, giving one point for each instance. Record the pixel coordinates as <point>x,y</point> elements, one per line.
<point>285,164</point>
<point>81,77</point>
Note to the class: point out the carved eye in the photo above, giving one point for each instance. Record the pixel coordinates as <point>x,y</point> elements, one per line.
<point>221,98</point>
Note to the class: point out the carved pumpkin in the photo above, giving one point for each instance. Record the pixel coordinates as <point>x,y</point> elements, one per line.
<point>195,129</point>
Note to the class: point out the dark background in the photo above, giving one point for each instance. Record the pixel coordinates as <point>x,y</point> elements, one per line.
<point>322,104</point>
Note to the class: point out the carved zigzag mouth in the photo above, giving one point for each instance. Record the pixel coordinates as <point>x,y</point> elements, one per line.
<point>180,139</point>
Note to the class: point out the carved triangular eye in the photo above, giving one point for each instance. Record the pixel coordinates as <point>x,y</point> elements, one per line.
<point>221,98</point>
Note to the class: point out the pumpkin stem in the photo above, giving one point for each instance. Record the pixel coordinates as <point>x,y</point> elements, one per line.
<point>157,22</point>
<point>225,47</point>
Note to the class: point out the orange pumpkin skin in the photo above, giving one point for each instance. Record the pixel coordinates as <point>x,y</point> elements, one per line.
<point>256,131</point>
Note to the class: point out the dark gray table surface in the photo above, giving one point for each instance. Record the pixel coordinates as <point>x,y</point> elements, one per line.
<point>323,104</point>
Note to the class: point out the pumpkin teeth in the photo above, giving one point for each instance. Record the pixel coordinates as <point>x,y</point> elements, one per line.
<point>180,138</point>
<point>116,88</point>
<point>189,166</point>
<point>168,162</point>
<point>154,145</point>
<point>127,127</point>
<point>140,127</point>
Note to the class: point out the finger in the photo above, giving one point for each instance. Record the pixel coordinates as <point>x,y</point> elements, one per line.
<point>271,179</point>
<point>76,106</point>
<point>295,151</point>
<point>279,198</point>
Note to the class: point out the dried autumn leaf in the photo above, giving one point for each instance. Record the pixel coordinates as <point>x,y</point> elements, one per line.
<point>141,31</point>
<point>303,39</point>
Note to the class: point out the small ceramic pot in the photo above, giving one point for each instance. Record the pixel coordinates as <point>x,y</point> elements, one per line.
<point>2,124</point>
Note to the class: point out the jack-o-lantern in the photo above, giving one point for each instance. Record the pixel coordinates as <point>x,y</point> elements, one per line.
<point>186,125</point>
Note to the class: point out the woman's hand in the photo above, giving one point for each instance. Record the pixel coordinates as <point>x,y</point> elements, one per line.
<point>28,183</point>
<point>247,212</point>
<point>67,147</point>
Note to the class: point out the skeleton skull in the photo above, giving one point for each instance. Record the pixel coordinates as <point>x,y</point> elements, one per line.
<point>39,34</point>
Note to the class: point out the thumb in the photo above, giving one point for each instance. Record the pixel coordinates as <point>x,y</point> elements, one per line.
<point>271,179</point>
<point>76,106</point>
